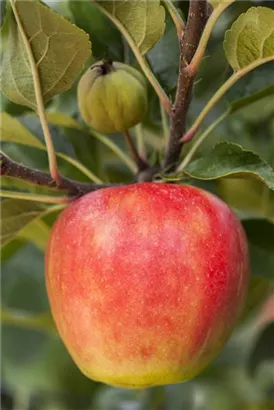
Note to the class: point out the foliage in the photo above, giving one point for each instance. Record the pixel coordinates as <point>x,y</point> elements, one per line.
<point>45,50</point>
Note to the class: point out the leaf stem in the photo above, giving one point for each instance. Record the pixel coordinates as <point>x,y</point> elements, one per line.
<point>39,100</point>
<point>176,17</point>
<point>219,94</point>
<point>199,141</point>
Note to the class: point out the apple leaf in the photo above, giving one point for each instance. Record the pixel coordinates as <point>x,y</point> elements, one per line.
<point>141,20</point>
<point>36,232</point>
<point>228,159</point>
<point>236,105</point>
<point>64,120</point>
<point>217,3</point>
<point>247,195</point>
<point>251,38</point>
<point>260,235</point>
<point>17,214</point>
<point>262,350</point>
<point>40,37</point>
<point>106,39</point>
<point>164,57</point>
<point>13,131</point>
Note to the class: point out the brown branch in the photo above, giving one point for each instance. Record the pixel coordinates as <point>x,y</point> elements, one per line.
<point>197,17</point>
<point>74,188</point>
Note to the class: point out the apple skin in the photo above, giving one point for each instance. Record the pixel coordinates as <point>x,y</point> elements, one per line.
<point>146,282</point>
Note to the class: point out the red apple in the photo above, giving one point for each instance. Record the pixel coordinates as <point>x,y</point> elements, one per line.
<point>146,282</point>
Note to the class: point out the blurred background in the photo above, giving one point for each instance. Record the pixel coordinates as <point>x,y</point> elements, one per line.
<point>37,372</point>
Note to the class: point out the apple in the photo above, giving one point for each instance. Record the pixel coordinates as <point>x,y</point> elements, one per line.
<point>146,282</point>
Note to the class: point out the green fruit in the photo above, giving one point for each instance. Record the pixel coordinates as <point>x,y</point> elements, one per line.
<point>112,96</point>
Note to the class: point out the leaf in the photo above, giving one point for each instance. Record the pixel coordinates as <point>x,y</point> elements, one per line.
<point>106,39</point>
<point>258,290</point>
<point>250,99</point>
<point>58,49</point>
<point>164,57</point>
<point>17,214</point>
<point>263,349</point>
<point>228,159</point>
<point>13,131</point>
<point>216,3</point>
<point>251,38</point>
<point>10,249</point>
<point>142,20</point>
<point>65,121</point>
<point>25,186</point>
<point>260,235</point>
<point>36,232</point>
<point>250,196</point>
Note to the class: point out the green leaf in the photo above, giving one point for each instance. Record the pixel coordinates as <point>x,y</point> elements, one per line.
<point>17,214</point>
<point>10,249</point>
<point>216,3</point>
<point>251,38</point>
<point>142,20</point>
<point>36,232</point>
<point>236,105</point>
<point>260,235</point>
<point>13,131</point>
<point>164,57</point>
<point>66,121</point>
<point>25,186</point>
<point>258,290</point>
<point>106,39</point>
<point>228,159</point>
<point>262,350</point>
<point>58,50</point>
<point>250,196</point>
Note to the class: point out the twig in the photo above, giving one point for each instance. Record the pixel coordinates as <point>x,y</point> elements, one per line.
<point>140,162</point>
<point>197,17</point>
<point>13,169</point>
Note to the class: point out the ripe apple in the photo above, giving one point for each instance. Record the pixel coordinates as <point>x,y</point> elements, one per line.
<point>146,281</point>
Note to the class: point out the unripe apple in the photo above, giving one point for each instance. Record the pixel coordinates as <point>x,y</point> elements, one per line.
<point>112,96</point>
<point>146,282</point>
